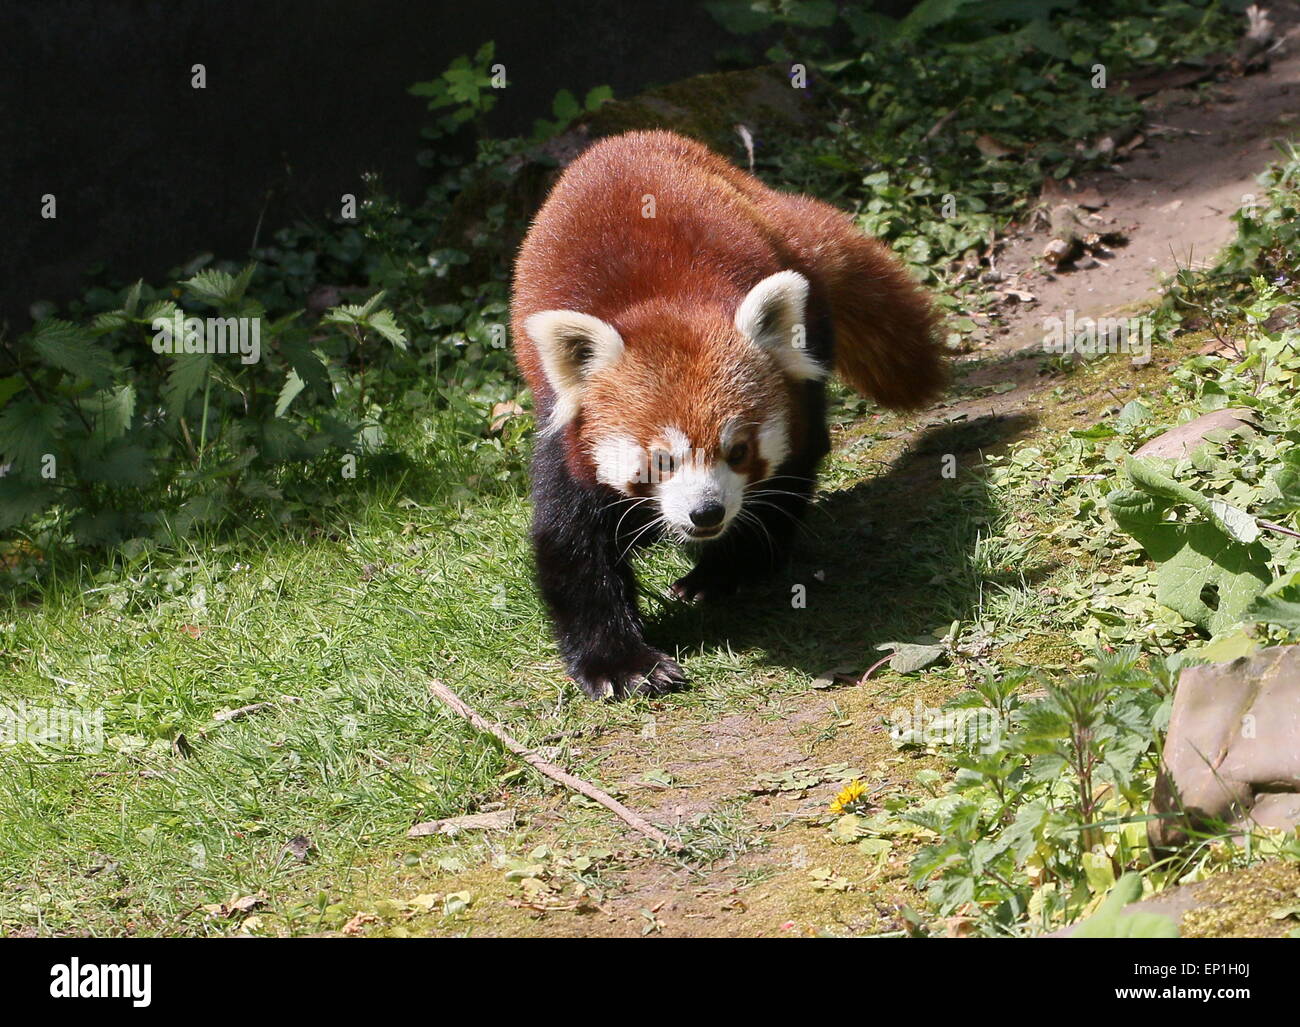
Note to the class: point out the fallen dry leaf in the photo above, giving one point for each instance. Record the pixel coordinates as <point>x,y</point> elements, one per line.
<point>503,412</point>
<point>501,820</point>
<point>247,904</point>
<point>991,148</point>
<point>358,923</point>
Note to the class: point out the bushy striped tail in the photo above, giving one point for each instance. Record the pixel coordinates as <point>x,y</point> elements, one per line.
<point>887,344</point>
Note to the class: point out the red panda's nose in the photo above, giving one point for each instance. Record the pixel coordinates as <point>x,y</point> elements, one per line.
<point>708,515</point>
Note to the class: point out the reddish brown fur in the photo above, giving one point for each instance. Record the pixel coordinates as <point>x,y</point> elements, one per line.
<point>670,286</point>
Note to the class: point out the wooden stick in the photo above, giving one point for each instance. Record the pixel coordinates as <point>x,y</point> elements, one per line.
<point>550,769</point>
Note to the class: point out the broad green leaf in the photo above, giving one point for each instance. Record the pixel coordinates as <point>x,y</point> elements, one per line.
<point>1236,524</point>
<point>20,500</point>
<point>29,430</point>
<point>188,373</point>
<point>908,657</point>
<point>10,387</point>
<point>740,16</point>
<point>241,283</point>
<point>71,348</point>
<point>133,297</point>
<point>306,362</point>
<point>846,829</point>
<point>1281,607</point>
<point>1229,647</point>
<point>372,304</point>
<point>1200,572</point>
<point>597,96</point>
<point>1286,479</point>
<point>112,411</point>
<point>211,286</point>
<point>929,13</point>
<point>565,107</point>
<point>1110,920</point>
<point>383,322</point>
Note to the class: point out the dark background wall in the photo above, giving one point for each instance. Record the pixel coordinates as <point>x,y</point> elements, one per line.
<point>302,96</point>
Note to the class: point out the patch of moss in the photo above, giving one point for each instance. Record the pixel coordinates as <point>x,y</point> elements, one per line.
<point>1241,903</point>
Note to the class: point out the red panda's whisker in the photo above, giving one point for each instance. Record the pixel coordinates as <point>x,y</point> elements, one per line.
<point>767,494</point>
<point>780,477</point>
<point>622,499</point>
<point>619,526</point>
<point>800,524</point>
<point>774,506</point>
<point>749,517</point>
<point>661,519</point>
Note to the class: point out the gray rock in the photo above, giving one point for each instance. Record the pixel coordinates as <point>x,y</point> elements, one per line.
<point>1233,750</point>
<point>1179,442</point>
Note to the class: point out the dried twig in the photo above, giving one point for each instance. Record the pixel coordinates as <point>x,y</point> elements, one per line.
<point>550,769</point>
<point>937,127</point>
<point>249,710</point>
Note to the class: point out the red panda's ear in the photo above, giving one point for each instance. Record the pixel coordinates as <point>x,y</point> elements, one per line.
<point>772,317</point>
<point>572,347</point>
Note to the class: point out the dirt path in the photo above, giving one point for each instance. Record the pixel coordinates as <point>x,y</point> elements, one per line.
<point>771,874</point>
<point>1172,197</point>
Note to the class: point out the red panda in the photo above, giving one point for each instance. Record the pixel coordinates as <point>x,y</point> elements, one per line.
<point>676,320</point>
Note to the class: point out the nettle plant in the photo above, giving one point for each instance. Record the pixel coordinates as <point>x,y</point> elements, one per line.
<point>1047,809</point>
<point>179,405</point>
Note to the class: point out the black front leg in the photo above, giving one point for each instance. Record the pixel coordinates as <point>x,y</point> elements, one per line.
<point>588,585</point>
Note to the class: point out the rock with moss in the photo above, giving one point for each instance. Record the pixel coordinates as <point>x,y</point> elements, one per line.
<point>1232,755</point>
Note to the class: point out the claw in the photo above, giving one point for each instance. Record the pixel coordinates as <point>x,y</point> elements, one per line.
<point>648,672</point>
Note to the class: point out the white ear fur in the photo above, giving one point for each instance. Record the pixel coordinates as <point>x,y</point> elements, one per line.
<point>768,317</point>
<point>572,347</point>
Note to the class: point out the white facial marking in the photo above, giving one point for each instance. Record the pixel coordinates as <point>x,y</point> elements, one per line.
<point>675,441</point>
<point>619,461</point>
<point>774,441</point>
<point>727,437</point>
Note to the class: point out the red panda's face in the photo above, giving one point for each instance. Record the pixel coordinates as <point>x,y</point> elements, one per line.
<point>687,412</point>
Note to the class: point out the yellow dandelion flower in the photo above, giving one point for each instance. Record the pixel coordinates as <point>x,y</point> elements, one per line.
<point>851,792</point>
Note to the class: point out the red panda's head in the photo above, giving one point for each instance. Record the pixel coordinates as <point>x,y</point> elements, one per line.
<point>686,408</point>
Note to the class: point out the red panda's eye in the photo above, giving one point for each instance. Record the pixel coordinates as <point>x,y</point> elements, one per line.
<point>661,464</point>
<point>737,453</point>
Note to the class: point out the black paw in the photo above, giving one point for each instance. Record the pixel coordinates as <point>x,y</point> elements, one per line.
<point>644,671</point>
<point>704,585</point>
